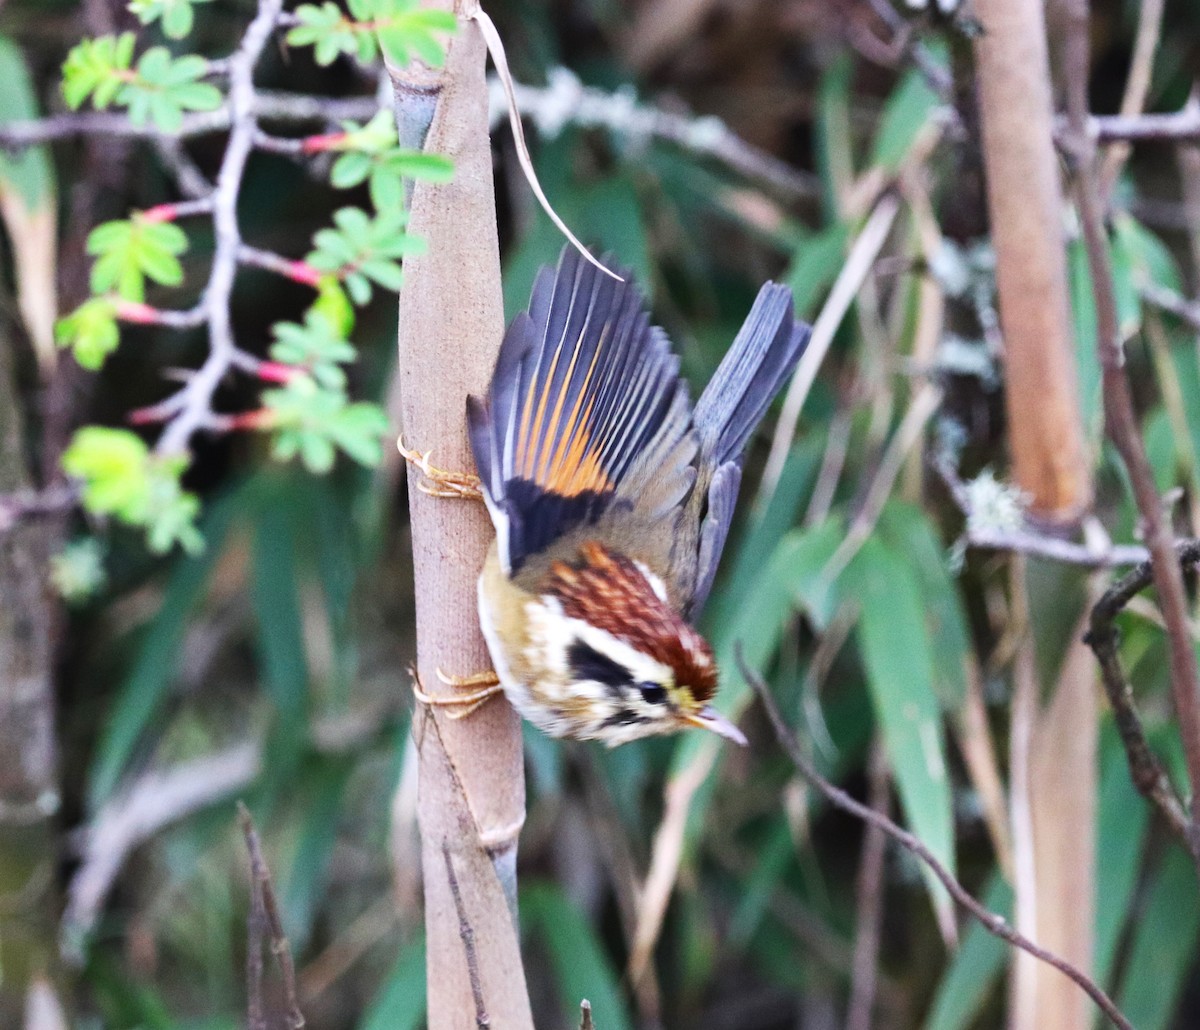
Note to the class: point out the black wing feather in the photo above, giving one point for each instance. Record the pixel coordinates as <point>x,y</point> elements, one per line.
<point>581,385</point>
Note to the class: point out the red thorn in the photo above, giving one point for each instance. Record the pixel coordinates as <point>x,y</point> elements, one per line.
<point>316,144</point>
<point>276,371</point>
<point>144,416</point>
<point>303,273</point>
<point>260,418</point>
<point>136,311</point>
<point>161,213</point>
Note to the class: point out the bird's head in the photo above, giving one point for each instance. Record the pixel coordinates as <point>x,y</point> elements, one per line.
<point>626,664</point>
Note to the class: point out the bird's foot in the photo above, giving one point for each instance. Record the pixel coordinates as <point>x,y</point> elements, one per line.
<point>475,691</point>
<point>441,482</point>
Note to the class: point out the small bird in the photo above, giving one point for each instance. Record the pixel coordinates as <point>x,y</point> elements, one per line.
<point>612,498</point>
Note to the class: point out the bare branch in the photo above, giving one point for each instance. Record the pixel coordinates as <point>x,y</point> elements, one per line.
<point>869,914</point>
<point>25,504</point>
<point>264,914</point>
<point>1145,769</point>
<point>993,923</point>
<point>1120,417</point>
<point>1177,127</point>
<point>566,99</point>
<point>196,406</point>
<point>1029,541</point>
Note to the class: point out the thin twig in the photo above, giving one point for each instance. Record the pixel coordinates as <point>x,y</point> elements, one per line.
<point>467,934</point>
<point>1120,417</point>
<point>26,504</point>
<point>264,913</point>
<point>1175,127</point>
<point>869,914</point>
<point>1187,311</point>
<point>1145,769</point>
<point>1137,86</point>
<point>155,800</point>
<point>566,99</point>
<point>585,1015</point>
<point>1029,541</point>
<point>858,265</point>
<point>282,108</point>
<point>993,923</point>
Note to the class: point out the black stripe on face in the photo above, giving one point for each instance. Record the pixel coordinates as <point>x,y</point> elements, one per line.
<point>589,664</point>
<point>623,718</point>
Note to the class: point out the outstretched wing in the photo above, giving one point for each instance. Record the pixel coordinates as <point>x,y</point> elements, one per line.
<point>583,389</point>
<point>763,354</point>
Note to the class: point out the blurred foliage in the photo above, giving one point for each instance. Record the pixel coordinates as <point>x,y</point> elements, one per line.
<point>291,629</point>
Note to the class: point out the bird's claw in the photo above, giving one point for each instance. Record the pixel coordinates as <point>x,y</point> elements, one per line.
<point>440,482</point>
<point>479,689</point>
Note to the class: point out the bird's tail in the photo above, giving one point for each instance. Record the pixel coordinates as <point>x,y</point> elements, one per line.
<point>762,356</point>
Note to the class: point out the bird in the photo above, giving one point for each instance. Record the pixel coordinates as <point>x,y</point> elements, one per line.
<point>612,498</point>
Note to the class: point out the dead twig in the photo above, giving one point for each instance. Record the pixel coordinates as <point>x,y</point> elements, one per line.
<point>1146,770</point>
<point>265,923</point>
<point>995,924</point>
<point>869,916</point>
<point>1120,418</point>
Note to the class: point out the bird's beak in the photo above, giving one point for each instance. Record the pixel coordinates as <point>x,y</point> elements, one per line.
<point>708,718</point>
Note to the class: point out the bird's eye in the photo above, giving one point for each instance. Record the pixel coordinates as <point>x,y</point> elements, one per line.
<point>653,693</point>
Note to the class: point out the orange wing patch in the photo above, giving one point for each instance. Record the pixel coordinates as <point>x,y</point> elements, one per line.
<point>554,450</point>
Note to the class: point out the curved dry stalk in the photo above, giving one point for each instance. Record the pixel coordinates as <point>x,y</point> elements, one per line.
<point>993,923</point>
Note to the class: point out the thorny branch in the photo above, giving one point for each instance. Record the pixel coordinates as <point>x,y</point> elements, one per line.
<point>196,397</point>
<point>265,923</point>
<point>1120,418</point>
<point>1145,769</point>
<point>993,923</point>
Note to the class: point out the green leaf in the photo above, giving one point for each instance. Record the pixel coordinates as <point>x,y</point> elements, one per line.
<point>1121,819</point>
<point>906,113</point>
<point>122,478</point>
<point>28,171</point>
<point>896,650</point>
<point>312,422</point>
<point>94,68</point>
<point>177,16</point>
<point>400,1005</point>
<point>815,265</point>
<point>361,249</point>
<point>144,688</point>
<point>908,530</point>
<point>976,966</point>
<point>303,891</point>
<point>90,331</point>
<point>1083,309</point>
<point>77,571</point>
<point>1164,945</point>
<point>581,968</point>
<point>112,465</point>
<point>129,252</point>
<point>280,636</point>
<point>316,347</point>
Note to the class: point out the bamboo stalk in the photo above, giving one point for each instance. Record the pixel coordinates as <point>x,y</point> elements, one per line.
<point>1053,788</point>
<point>472,789</point>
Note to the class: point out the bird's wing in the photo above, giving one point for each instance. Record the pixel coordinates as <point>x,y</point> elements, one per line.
<point>585,398</point>
<point>762,356</point>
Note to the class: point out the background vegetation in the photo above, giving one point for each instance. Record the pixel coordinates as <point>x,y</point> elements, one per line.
<point>254,642</point>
